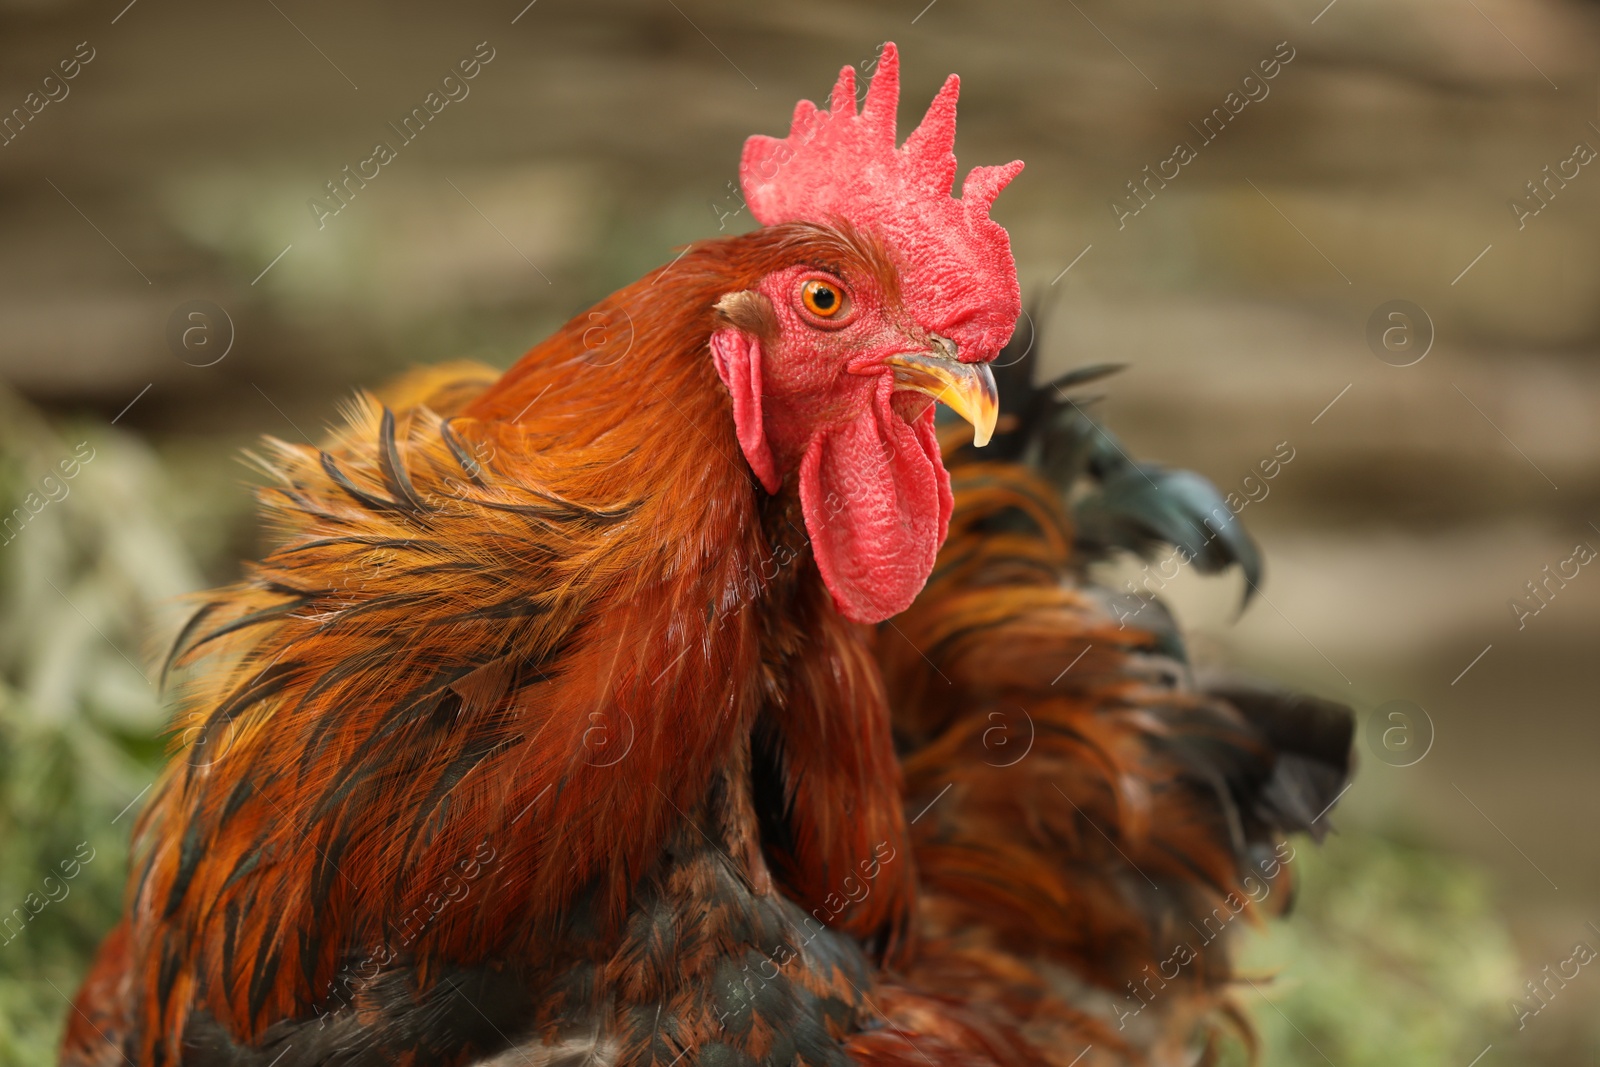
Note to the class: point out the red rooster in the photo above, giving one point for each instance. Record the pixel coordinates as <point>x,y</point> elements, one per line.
<point>555,726</point>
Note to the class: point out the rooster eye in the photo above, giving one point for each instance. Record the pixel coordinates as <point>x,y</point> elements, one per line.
<point>822,298</point>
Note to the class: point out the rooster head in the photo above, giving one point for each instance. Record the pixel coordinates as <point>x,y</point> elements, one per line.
<point>896,295</point>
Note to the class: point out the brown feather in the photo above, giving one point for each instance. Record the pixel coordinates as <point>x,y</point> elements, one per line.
<point>417,674</point>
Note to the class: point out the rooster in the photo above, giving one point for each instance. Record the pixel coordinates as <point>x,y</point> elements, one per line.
<point>560,722</point>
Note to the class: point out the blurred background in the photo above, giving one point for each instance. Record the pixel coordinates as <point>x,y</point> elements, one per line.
<point>169,293</point>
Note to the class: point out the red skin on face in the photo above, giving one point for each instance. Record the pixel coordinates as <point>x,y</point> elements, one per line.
<point>816,398</point>
<point>819,399</point>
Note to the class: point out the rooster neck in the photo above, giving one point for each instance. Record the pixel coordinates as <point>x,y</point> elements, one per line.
<point>789,564</point>
<point>819,778</point>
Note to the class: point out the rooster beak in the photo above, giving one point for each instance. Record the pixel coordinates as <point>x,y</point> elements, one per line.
<point>967,389</point>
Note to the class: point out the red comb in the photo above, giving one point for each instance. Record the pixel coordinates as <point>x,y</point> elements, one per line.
<point>957,275</point>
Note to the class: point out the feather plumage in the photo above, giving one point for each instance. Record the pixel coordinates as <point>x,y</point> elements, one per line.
<point>1093,821</point>
<point>395,781</point>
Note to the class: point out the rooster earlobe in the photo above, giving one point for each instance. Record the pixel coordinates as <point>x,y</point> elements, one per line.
<point>737,357</point>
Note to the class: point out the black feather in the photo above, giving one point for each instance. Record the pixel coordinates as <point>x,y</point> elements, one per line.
<point>330,466</point>
<point>469,466</point>
<point>1117,502</point>
<point>393,467</point>
<point>1312,738</point>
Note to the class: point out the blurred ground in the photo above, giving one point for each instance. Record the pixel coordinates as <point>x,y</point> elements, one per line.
<point>1377,166</point>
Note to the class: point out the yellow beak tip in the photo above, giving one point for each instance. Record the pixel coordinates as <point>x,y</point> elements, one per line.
<point>968,389</point>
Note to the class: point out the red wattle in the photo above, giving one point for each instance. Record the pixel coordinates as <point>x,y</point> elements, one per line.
<point>877,504</point>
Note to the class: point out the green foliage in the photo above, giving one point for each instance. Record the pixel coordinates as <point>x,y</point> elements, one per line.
<point>1395,955</point>
<point>89,564</point>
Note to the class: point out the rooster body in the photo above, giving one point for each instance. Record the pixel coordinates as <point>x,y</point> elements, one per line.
<point>555,726</point>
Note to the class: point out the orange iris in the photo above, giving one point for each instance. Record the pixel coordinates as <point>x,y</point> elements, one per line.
<point>821,298</point>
